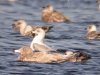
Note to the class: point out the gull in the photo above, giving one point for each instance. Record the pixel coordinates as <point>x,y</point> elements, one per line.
<point>28,55</point>
<point>92,33</point>
<point>51,15</point>
<point>77,56</point>
<point>37,43</point>
<point>26,30</point>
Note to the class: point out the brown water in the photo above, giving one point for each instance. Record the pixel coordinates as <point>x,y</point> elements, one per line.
<point>67,36</point>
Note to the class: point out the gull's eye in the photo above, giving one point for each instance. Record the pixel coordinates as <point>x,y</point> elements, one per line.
<point>90,27</point>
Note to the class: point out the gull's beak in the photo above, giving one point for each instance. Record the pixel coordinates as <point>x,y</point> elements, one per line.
<point>15,20</point>
<point>85,28</point>
<point>17,51</point>
<point>43,7</point>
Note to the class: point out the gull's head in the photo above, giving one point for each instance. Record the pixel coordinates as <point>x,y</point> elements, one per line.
<point>91,28</point>
<point>69,53</point>
<point>48,9</point>
<point>24,50</point>
<point>47,28</point>
<point>39,32</point>
<point>19,24</point>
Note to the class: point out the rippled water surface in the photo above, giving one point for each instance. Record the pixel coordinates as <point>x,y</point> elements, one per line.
<point>68,36</point>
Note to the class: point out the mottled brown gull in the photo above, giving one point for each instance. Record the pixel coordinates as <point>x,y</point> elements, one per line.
<point>51,15</point>
<point>27,55</point>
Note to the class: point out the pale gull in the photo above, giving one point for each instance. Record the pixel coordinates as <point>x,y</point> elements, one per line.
<point>26,30</point>
<point>37,43</point>
<point>92,33</point>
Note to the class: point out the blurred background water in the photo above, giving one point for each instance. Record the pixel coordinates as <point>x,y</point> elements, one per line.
<point>68,36</point>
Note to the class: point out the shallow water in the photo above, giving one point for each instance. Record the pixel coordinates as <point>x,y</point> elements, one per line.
<point>67,36</point>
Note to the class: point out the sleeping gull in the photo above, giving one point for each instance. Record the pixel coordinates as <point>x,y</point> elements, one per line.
<point>77,56</point>
<point>51,15</point>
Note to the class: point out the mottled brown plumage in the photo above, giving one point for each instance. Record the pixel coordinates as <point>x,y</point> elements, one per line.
<point>78,56</point>
<point>51,15</point>
<point>27,55</point>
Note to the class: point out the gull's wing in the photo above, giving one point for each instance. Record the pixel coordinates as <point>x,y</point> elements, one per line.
<point>59,17</point>
<point>39,47</point>
<point>91,35</point>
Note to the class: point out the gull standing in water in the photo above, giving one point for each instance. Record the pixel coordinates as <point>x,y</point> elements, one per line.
<point>37,43</point>
<point>26,30</point>
<point>51,15</point>
<point>92,33</point>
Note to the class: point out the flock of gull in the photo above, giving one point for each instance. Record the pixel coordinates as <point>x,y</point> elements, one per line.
<point>38,51</point>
